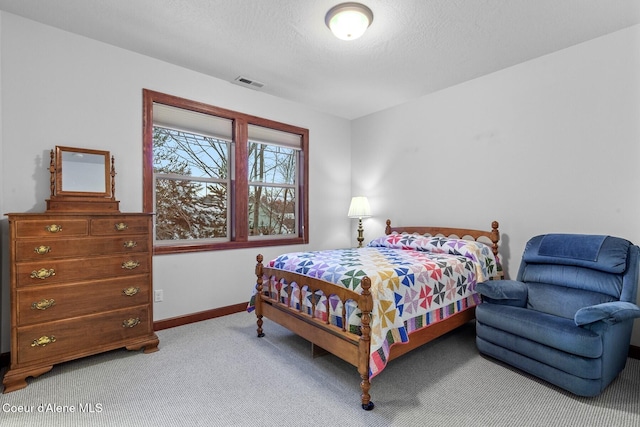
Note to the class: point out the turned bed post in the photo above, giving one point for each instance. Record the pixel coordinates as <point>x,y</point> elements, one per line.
<point>366,307</point>
<point>258,303</point>
<point>495,237</point>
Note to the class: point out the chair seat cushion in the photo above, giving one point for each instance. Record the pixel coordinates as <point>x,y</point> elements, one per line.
<point>553,331</point>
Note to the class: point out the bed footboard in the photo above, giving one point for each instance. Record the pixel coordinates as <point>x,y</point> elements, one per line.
<point>339,341</point>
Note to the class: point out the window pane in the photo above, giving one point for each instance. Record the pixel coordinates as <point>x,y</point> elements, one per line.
<point>191,199</point>
<point>272,164</point>
<point>189,154</point>
<point>187,209</point>
<point>272,211</point>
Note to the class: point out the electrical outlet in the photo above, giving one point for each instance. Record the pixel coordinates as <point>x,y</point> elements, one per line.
<point>158,295</point>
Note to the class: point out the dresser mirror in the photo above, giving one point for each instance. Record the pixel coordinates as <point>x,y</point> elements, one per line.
<point>82,172</point>
<point>82,179</point>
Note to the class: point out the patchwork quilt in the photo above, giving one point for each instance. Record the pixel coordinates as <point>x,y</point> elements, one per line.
<point>416,281</point>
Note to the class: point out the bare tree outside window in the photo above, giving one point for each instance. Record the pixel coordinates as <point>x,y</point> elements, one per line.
<point>272,195</point>
<point>191,174</point>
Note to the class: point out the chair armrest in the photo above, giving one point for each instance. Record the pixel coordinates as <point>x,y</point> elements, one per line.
<point>610,312</point>
<point>505,292</point>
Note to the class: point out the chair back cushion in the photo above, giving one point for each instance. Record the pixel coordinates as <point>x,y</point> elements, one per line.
<point>602,253</point>
<point>566,272</point>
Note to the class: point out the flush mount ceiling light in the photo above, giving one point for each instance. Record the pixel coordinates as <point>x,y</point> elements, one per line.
<point>348,21</point>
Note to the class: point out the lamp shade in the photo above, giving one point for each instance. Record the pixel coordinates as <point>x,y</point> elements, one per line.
<point>348,21</point>
<point>359,208</point>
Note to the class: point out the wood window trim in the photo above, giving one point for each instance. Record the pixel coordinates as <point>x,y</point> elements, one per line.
<point>239,227</point>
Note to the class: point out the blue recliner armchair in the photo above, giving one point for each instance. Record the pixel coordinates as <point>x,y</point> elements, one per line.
<point>568,316</point>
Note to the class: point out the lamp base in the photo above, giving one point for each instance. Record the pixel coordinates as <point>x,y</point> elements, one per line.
<point>360,233</point>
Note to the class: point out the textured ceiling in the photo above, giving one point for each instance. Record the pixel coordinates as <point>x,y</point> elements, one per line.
<point>413,47</point>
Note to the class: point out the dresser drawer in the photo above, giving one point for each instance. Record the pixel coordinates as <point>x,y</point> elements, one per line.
<point>115,226</point>
<point>58,228</point>
<point>48,272</point>
<point>81,336</point>
<point>36,305</point>
<point>45,248</point>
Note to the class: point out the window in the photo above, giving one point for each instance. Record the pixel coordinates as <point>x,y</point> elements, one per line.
<point>219,179</point>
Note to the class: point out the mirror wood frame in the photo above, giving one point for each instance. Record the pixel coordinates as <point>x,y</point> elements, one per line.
<point>60,154</point>
<point>99,197</point>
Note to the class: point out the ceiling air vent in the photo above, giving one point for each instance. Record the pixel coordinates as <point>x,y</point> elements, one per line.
<point>248,82</point>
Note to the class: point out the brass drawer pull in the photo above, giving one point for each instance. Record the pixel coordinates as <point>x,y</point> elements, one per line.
<point>43,273</point>
<point>131,291</point>
<point>130,323</point>
<point>41,250</point>
<point>43,305</point>
<point>130,244</point>
<point>53,228</point>
<point>43,341</point>
<point>130,265</point>
<point>121,226</point>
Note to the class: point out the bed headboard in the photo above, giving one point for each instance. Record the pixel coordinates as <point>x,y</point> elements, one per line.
<point>490,238</point>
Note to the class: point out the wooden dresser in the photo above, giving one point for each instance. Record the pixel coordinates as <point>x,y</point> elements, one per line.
<point>80,285</point>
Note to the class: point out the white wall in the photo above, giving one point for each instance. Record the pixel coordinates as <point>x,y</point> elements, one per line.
<point>62,89</point>
<point>550,145</point>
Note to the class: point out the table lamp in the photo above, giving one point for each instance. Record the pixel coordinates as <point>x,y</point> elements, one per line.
<point>359,208</point>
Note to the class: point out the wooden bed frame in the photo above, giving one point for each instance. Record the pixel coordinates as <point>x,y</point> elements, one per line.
<point>352,348</point>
